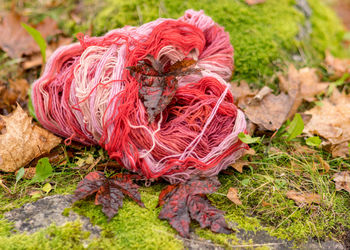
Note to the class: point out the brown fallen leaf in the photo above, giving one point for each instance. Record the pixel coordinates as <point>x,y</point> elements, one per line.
<point>266,204</point>
<point>23,141</point>
<point>342,180</point>
<point>272,111</point>
<point>253,2</point>
<point>37,60</point>
<point>335,66</point>
<point>307,80</point>
<point>250,151</point>
<point>302,198</point>
<point>331,120</point>
<point>269,111</point>
<point>239,165</point>
<point>16,41</point>
<point>242,93</point>
<point>12,93</point>
<point>232,195</point>
<point>324,164</point>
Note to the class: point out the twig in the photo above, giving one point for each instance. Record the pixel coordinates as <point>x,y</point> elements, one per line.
<point>4,186</point>
<point>95,163</point>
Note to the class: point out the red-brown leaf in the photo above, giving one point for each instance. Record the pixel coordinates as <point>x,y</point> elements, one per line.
<point>158,86</point>
<point>187,201</point>
<point>111,199</point>
<point>109,192</point>
<point>89,185</point>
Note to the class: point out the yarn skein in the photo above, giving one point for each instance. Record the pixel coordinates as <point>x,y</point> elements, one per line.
<point>87,94</point>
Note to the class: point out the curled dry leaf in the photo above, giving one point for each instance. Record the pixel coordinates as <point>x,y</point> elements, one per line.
<point>23,141</point>
<point>335,66</point>
<point>239,165</point>
<point>232,195</point>
<point>342,180</point>
<point>331,120</point>
<point>16,41</point>
<point>302,198</point>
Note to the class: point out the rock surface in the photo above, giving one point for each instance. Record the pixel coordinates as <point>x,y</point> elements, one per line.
<point>32,217</point>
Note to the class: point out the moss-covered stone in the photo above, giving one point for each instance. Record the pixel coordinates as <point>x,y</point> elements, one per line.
<point>264,36</point>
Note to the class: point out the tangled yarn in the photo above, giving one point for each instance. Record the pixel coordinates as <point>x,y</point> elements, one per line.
<point>87,94</point>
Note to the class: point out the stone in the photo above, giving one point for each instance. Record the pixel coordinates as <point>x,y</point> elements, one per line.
<point>32,217</point>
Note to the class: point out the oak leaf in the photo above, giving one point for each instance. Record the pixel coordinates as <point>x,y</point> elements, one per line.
<point>342,180</point>
<point>22,141</point>
<point>331,121</point>
<point>307,80</point>
<point>272,111</point>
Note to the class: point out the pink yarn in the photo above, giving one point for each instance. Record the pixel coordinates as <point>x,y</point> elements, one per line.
<point>86,94</point>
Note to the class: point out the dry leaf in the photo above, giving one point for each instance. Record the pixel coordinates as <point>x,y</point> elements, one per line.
<point>266,204</point>
<point>232,194</point>
<point>242,93</point>
<point>306,79</point>
<point>272,111</point>
<point>324,164</point>
<point>37,60</point>
<point>343,9</point>
<point>16,41</point>
<point>269,111</point>
<point>342,180</point>
<point>260,95</point>
<point>336,66</point>
<point>302,198</point>
<point>15,91</point>
<point>253,2</point>
<point>23,141</point>
<point>239,165</point>
<point>331,120</point>
<point>250,151</point>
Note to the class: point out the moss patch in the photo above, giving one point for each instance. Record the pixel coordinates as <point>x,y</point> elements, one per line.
<point>264,36</point>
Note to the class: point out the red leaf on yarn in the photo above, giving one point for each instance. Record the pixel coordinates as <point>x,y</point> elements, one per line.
<point>187,201</point>
<point>109,191</point>
<point>158,85</point>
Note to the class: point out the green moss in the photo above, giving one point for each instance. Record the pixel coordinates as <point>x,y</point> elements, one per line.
<point>328,31</point>
<point>258,33</point>
<point>134,227</point>
<point>264,36</point>
<point>69,236</point>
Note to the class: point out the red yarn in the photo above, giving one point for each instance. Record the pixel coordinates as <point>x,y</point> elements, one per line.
<point>87,94</point>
